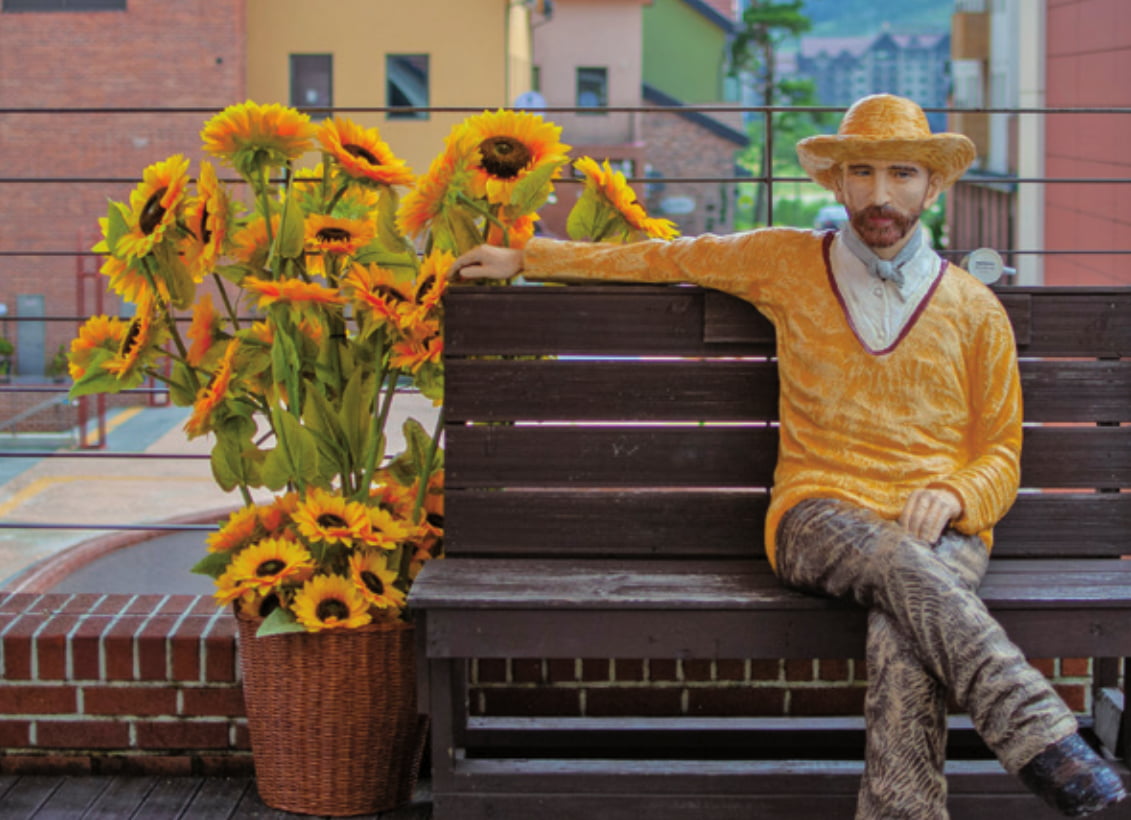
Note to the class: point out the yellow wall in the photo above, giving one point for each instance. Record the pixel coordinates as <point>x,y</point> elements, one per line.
<point>479,56</point>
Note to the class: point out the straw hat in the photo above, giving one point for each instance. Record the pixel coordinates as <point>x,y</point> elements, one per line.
<point>890,128</point>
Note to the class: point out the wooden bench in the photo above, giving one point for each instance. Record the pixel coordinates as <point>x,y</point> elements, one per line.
<point>608,452</point>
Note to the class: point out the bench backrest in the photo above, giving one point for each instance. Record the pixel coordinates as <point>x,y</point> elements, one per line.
<point>639,421</point>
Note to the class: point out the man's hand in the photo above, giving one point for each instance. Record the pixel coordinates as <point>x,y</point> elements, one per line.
<point>928,512</point>
<point>489,262</point>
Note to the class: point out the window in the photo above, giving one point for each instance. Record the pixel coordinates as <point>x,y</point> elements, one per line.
<point>406,85</point>
<point>64,5</point>
<point>592,87</point>
<point>312,81</point>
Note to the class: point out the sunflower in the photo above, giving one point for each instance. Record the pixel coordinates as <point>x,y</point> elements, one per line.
<point>249,243</point>
<point>412,353</point>
<point>432,281</point>
<point>449,175</point>
<point>361,154</point>
<point>377,291</point>
<point>207,218</point>
<point>154,205</point>
<point>131,283</point>
<point>251,137</point>
<point>374,580</point>
<point>341,237</point>
<point>323,517</point>
<point>212,395</point>
<point>513,234</point>
<point>276,516</point>
<point>241,528</point>
<point>330,602</point>
<point>616,205</point>
<point>140,345</point>
<point>97,333</point>
<point>271,562</point>
<point>293,292</point>
<point>510,145</point>
<point>203,330</point>
<point>386,530</point>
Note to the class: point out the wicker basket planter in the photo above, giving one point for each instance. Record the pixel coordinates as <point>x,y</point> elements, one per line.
<point>332,717</point>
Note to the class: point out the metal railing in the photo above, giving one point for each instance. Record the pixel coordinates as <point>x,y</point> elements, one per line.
<point>89,451</point>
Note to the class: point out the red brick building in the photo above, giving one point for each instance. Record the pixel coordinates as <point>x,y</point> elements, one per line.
<point>142,54</point>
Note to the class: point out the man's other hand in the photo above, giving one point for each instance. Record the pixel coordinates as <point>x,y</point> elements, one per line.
<point>488,262</point>
<point>928,512</point>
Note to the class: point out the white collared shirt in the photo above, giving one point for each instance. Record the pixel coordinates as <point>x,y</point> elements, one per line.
<point>880,310</point>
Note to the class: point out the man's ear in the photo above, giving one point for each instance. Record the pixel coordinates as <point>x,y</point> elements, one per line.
<point>838,185</point>
<point>934,188</point>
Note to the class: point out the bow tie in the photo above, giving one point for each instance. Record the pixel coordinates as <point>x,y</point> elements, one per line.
<point>888,271</point>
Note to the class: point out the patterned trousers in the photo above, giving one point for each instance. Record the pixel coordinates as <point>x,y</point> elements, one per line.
<point>929,635</point>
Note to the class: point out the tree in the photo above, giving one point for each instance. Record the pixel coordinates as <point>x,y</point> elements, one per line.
<point>766,25</point>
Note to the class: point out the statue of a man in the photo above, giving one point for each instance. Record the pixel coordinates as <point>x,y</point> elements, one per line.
<point>900,444</point>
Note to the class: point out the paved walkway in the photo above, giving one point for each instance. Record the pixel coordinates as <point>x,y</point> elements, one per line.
<point>85,493</point>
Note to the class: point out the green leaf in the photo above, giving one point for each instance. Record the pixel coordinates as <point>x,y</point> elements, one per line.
<point>278,622</point>
<point>180,386</point>
<point>464,231</point>
<point>533,190</point>
<point>430,381</point>
<point>97,380</point>
<point>322,421</point>
<point>234,273</point>
<point>229,467</point>
<point>357,404</point>
<point>172,269</point>
<point>376,254</point>
<point>117,224</point>
<point>295,457</point>
<point>291,239</point>
<point>586,218</point>
<point>387,234</point>
<point>418,443</point>
<point>213,564</point>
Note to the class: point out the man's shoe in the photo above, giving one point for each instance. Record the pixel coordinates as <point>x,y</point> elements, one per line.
<point>1072,778</point>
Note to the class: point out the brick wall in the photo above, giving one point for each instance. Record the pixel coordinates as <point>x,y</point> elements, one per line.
<point>669,688</point>
<point>119,683</point>
<point>150,684</point>
<point>154,54</point>
<point>677,147</point>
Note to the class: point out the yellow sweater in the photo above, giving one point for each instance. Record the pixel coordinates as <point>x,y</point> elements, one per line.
<point>939,408</point>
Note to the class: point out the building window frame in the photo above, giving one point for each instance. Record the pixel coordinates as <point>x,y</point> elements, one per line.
<point>592,89</point>
<point>408,85</point>
<point>312,83</point>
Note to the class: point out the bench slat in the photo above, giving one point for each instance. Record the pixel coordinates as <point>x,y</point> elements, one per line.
<point>722,390</point>
<point>705,524</point>
<point>637,320</point>
<point>693,456</point>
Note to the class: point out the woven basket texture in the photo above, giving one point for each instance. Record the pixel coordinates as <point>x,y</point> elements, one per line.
<point>332,717</point>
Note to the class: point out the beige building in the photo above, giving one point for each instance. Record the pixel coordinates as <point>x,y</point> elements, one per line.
<point>372,54</point>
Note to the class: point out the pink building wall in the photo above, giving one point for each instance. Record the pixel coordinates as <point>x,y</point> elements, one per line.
<point>1088,63</point>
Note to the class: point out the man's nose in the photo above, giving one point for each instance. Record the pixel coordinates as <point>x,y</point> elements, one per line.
<point>880,191</point>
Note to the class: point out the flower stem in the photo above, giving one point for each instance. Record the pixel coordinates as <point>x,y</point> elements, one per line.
<point>429,460</point>
<point>219,280</point>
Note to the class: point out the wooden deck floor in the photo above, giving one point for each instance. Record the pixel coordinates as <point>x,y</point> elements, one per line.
<point>116,798</point>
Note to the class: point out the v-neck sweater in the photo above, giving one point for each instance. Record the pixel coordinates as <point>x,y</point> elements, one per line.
<point>939,408</point>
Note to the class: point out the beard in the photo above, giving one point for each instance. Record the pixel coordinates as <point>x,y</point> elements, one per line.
<point>883,236</point>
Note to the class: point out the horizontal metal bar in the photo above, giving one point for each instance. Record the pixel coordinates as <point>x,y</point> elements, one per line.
<point>39,525</point>
<point>566,109</point>
<point>104,454</point>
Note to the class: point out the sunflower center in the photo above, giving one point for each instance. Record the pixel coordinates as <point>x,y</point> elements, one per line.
<point>272,567</point>
<point>372,583</point>
<point>131,337</point>
<point>269,605</point>
<point>332,608</point>
<point>205,233</point>
<point>436,520</point>
<point>362,153</point>
<point>331,520</point>
<point>333,235</point>
<point>153,212</point>
<point>504,157</point>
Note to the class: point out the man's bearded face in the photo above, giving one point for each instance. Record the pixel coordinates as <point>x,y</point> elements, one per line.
<point>885,199</point>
